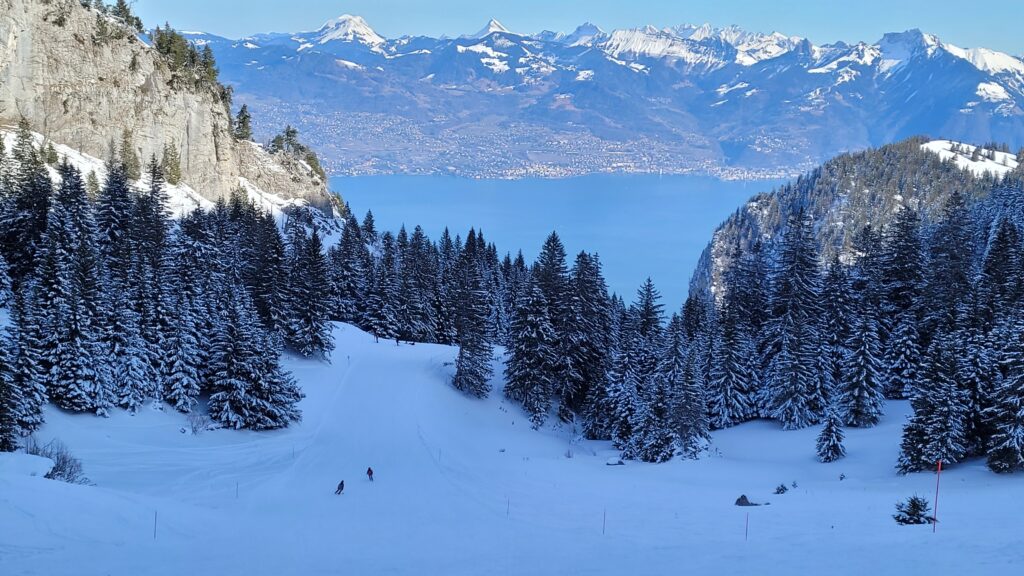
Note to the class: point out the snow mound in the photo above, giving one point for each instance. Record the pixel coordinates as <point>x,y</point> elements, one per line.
<point>18,464</point>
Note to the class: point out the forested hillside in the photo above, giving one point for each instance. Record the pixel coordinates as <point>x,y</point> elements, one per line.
<point>886,274</point>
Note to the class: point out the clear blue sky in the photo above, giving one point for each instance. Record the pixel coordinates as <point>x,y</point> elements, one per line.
<point>994,24</point>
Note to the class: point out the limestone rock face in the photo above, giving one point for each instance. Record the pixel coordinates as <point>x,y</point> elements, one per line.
<point>83,92</point>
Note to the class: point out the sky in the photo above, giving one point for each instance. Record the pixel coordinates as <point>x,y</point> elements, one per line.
<point>995,25</point>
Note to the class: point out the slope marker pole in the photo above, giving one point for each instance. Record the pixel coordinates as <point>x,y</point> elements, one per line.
<point>604,520</point>
<point>154,524</point>
<point>938,476</point>
<point>746,528</point>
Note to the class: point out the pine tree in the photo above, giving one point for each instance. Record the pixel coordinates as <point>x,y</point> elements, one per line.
<point>243,124</point>
<point>861,395</point>
<point>250,390</point>
<point>70,296</point>
<point>838,315</point>
<point>182,377</point>
<point>10,401</point>
<point>129,159</point>
<point>23,213</point>
<point>29,371</point>
<point>1006,415</point>
<point>654,435</point>
<point>171,163</point>
<point>585,338</point>
<point>830,441</point>
<point>685,390</point>
<point>948,268</point>
<point>733,365</point>
<point>901,358</point>
<point>473,365</point>
<point>347,274</point>
<point>381,314</point>
<point>936,429</point>
<point>309,331</point>
<point>533,362</point>
<point>794,393</point>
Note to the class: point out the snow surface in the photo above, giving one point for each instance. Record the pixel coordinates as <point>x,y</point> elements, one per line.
<point>1002,165</point>
<point>465,486</point>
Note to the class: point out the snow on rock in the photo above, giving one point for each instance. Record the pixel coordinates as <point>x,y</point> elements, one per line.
<point>655,43</point>
<point>987,60</point>
<point>349,65</point>
<point>19,464</point>
<point>481,49</point>
<point>349,28</point>
<point>491,27</point>
<point>466,487</point>
<point>584,75</point>
<point>1000,166</point>
<point>992,92</point>
<point>495,65</point>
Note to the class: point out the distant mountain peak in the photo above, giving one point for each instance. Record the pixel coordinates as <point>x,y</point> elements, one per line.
<point>349,28</point>
<point>585,34</point>
<point>492,26</point>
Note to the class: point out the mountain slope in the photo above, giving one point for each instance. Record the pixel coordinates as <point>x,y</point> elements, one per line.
<point>854,190</point>
<point>684,99</point>
<point>466,487</point>
<point>82,86</point>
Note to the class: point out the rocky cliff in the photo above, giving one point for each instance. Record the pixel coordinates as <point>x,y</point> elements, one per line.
<point>81,86</point>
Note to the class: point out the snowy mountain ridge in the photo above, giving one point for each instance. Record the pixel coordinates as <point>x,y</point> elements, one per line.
<point>654,96</point>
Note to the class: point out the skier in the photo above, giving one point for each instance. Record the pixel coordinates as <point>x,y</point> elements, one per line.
<point>369,474</point>
<point>341,487</point>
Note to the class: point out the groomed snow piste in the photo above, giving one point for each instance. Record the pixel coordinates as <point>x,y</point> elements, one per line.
<point>466,487</point>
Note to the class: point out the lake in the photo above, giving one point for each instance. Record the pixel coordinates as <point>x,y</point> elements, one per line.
<point>640,225</point>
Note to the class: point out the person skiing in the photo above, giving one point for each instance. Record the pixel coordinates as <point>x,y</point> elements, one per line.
<point>341,487</point>
<point>369,474</point>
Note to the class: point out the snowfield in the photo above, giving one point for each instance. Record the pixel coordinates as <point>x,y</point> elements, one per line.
<point>466,487</point>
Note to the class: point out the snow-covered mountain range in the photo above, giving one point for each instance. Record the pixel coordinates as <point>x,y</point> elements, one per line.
<point>680,99</point>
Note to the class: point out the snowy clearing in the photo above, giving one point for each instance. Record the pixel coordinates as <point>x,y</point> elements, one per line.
<point>466,487</point>
<point>1003,163</point>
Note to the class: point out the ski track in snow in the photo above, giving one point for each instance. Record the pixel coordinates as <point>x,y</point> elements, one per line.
<point>466,487</point>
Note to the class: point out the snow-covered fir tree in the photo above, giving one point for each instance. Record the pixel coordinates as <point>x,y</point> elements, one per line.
<point>830,441</point>
<point>793,392</point>
<point>309,329</point>
<point>936,429</point>
<point>686,392</point>
<point>473,365</point>
<point>10,400</point>
<point>1006,414</point>
<point>533,356</point>
<point>861,396</point>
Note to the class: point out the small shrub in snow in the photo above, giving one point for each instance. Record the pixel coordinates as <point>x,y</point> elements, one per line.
<point>781,489</point>
<point>66,467</point>
<point>199,422</point>
<point>915,510</point>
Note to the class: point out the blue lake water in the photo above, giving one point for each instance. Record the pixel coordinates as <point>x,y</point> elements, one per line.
<point>640,225</point>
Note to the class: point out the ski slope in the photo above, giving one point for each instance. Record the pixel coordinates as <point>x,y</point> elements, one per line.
<point>466,487</point>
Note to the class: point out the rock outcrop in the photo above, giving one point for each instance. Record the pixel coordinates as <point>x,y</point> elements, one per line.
<point>83,89</point>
